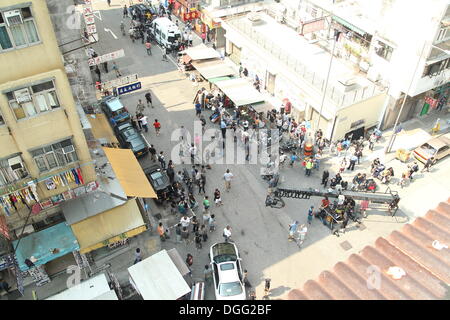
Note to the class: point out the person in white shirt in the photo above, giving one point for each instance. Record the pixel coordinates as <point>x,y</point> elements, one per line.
<point>227,233</point>
<point>190,39</point>
<point>144,123</point>
<point>185,221</point>
<point>302,233</point>
<point>283,158</point>
<point>228,176</point>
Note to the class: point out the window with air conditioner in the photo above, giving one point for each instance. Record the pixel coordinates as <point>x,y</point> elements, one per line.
<point>12,169</point>
<point>383,50</point>
<point>443,34</point>
<point>33,100</point>
<point>17,29</point>
<point>55,155</point>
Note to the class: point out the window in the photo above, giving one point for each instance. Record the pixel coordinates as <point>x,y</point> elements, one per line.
<point>32,100</point>
<point>383,50</point>
<point>12,169</point>
<point>436,68</point>
<point>55,155</point>
<point>442,35</point>
<point>17,29</point>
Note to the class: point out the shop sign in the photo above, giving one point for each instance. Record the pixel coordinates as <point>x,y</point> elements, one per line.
<point>46,204</point>
<point>191,15</point>
<point>357,123</point>
<point>106,57</point>
<point>432,102</point>
<point>129,88</point>
<point>312,26</point>
<point>4,230</point>
<point>120,82</point>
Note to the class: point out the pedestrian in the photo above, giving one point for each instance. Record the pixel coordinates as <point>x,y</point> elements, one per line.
<point>137,256</point>
<point>428,164</point>
<point>414,169</point>
<point>293,230</point>
<point>317,158</point>
<point>228,176</point>
<point>404,178</point>
<point>198,109</point>
<point>207,272</point>
<point>302,233</point>
<point>161,232</point>
<point>152,151</point>
<point>309,165</point>
<point>185,235</point>
<point>161,160</point>
<point>97,71</point>
<point>109,2</point>
<point>245,279</point>
<point>217,198</point>
<point>204,232</point>
<point>148,97</point>
<point>359,154</point>
<point>241,68</point>
<point>353,160</point>
<point>266,287</point>
<point>212,223</point>
<point>105,66</point>
<point>170,173</point>
<point>310,214</point>
<point>116,69</point>
<point>193,153</point>
<point>178,233</point>
<point>144,123</point>
<point>125,12</point>
<point>190,38</point>
<point>148,47</point>
<point>227,233</point>
<point>206,204</point>
<point>325,177</point>
<point>140,107</point>
<point>294,158</point>
<point>372,140</point>
<point>157,126</point>
<point>194,223</point>
<point>198,240</point>
<point>189,262</point>
<point>201,184</point>
<point>206,217</point>
<point>164,57</point>
<point>203,36</point>
<point>343,165</point>
<point>344,221</point>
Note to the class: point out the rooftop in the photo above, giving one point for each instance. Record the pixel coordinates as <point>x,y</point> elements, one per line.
<point>417,251</point>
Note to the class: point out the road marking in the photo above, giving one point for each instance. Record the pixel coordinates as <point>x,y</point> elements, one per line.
<point>97,14</point>
<point>168,56</point>
<point>112,33</point>
<point>148,144</point>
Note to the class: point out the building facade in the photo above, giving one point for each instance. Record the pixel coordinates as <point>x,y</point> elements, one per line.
<point>44,155</point>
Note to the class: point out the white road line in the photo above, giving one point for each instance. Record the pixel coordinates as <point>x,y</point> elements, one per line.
<point>168,56</point>
<point>97,14</point>
<point>148,144</point>
<point>112,33</point>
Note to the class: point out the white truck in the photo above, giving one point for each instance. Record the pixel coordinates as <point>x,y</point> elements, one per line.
<point>166,33</point>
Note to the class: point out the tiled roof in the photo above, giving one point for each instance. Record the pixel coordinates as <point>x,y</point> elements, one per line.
<point>427,268</point>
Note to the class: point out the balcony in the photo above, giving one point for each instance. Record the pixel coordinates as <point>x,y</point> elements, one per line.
<point>12,171</point>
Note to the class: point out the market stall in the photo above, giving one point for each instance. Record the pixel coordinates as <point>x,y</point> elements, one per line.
<point>158,278</point>
<point>96,288</point>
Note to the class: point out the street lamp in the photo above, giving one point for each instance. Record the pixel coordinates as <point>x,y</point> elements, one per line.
<point>394,135</point>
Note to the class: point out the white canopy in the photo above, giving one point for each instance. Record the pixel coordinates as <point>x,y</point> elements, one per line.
<point>214,68</point>
<point>240,91</point>
<point>157,278</point>
<point>201,52</point>
<point>96,288</point>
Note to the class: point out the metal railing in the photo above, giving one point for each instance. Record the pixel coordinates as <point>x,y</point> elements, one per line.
<point>334,93</point>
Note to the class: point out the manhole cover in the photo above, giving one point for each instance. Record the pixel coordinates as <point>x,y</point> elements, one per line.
<point>346,245</point>
<point>362,227</point>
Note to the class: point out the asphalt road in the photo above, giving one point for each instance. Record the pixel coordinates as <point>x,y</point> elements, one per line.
<point>259,232</point>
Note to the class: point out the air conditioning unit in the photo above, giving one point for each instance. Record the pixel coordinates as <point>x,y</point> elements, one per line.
<point>68,149</point>
<point>22,95</point>
<point>13,17</point>
<point>15,163</point>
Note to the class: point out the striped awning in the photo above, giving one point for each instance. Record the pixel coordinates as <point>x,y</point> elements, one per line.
<point>349,25</point>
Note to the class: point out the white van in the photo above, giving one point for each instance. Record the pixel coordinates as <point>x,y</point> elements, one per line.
<point>166,33</point>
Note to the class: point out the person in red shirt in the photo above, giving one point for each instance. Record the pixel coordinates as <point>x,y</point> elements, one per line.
<point>157,126</point>
<point>325,203</point>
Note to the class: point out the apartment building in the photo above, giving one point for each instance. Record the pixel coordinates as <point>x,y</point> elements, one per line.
<point>44,156</point>
<point>403,45</point>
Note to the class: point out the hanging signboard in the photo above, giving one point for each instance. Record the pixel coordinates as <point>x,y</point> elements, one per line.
<point>191,15</point>
<point>432,102</point>
<point>120,82</point>
<point>4,230</point>
<point>312,26</point>
<point>129,88</point>
<point>106,57</point>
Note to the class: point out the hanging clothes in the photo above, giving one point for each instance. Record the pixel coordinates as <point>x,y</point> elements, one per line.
<point>33,192</point>
<point>77,180</point>
<point>80,176</point>
<point>13,201</point>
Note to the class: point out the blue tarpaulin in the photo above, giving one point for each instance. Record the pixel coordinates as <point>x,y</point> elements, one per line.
<point>46,245</point>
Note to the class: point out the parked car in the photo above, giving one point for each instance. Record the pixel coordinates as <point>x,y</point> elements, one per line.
<point>115,110</point>
<point>160,182</point>
<point>227,272</point>
<point>142,10</point>
<point>437,147</point>
<point>130,138</point>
